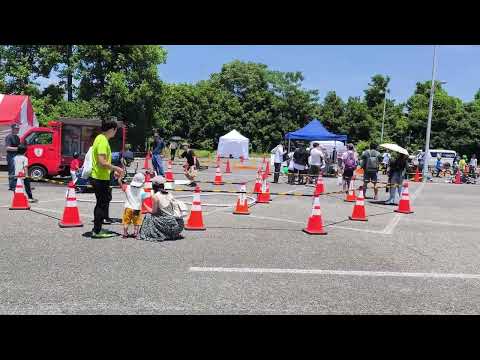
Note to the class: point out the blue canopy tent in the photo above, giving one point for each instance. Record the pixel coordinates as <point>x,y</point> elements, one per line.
<point>314,130</point>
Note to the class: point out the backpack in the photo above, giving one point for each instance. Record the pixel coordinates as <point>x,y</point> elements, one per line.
<point>372,160</point>
<point>350,163</point>
<point>87,165</point>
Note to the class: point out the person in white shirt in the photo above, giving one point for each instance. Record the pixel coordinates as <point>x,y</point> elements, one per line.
<point>278,153</point>
<point>21,165</point>
<point>133,204</point>
<point>317,162</point>
<point>473,165</point>
<point>385,161</point>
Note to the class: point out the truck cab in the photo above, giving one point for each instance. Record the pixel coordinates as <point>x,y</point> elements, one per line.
<point>42,152</point>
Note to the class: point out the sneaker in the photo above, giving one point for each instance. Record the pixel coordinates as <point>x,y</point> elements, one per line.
<point>102,234</point>
<point>33,201</point>
<point>107,221</point>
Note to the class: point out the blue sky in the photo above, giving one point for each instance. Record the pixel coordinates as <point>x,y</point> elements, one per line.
<point>347,69</point>
<point>344,68</point>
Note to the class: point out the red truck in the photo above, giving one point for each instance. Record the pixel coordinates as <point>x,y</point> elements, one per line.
<point>50,149</point>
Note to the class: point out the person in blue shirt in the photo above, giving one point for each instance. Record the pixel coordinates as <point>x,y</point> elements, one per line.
<point>438,165</point>
<point>157,159</point>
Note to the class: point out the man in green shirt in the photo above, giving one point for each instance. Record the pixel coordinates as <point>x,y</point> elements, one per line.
<point>101,168</point>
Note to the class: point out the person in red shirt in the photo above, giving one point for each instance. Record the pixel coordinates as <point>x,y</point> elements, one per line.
<point>74,166</point>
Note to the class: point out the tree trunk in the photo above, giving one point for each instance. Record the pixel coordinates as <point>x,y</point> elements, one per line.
<point>69,74</point>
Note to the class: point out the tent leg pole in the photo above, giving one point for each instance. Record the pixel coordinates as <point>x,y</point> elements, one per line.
<point>289,146</point>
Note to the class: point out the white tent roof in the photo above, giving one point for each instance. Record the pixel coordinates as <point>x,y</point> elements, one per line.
<point>234,135</point>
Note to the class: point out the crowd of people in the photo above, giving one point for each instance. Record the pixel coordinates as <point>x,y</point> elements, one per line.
<point>164,221</point>
<point>304,165</point>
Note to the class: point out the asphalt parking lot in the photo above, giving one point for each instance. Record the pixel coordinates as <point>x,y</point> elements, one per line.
<point>262,263</point>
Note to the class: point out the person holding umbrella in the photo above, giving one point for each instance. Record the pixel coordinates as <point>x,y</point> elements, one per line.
<point>396,172</point>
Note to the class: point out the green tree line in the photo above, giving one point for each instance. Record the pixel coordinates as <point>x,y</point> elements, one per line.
<point>263,104</point>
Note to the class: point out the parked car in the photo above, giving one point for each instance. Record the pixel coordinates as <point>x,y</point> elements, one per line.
<point>446,156</point>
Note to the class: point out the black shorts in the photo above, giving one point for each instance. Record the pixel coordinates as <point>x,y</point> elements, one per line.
<point>347,174</point>
<point>314,170</point>
<point>370,176</point>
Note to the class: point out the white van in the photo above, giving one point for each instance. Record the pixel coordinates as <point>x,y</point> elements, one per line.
<point>445,156</point>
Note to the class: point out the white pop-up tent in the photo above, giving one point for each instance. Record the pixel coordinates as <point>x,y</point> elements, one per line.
<point>234,144</point>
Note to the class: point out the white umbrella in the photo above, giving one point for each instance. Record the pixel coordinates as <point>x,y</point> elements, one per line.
<point>395,147</point>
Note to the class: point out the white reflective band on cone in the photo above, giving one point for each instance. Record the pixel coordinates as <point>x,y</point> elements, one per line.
<point>196,207</point>
<point>316,211</point>
<point>361,202</point>
<point>71,203</point>
<point>196,197</point>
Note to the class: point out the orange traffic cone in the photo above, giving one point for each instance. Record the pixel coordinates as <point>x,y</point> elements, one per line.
<point>195,219</point>
<point>458,177</point>
<point>218,177</point>
<point>169,173</point>
<point>320,187</point>
<point>351,191</point>
<point>264,196</point>
<point>358,213</point>
<point>242,204</point>
<point>417,176</point>
<point>404,204</point>
<point>71,216</point>
<point>315,223</point>
<point>147,203</point>
<point>227,168</point>
<point>241,159</point>
<point>267,168</point>
<point>146,164</point>
<point>20,201</point>
<point>258,184</point>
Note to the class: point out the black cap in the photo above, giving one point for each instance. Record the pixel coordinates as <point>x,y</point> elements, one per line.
<point>15,126</point>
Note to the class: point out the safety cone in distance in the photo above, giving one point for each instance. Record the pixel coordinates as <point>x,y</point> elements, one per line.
<point>417,176</point>
<point>404,204</point>
<point>169,173</point>
<point>195,218</point>
<point>359,213</point>
<point>218,177</point>
<point>242,204</point>
<point>241,159</point>
<point>315,222</point>
<point>458,177</point>
<point>71,215</point>
<point>267,168</point>
<point>351,191</point>
<point>264,196</point>
<point>258,184</point>
<point>147,203</point>
<point>227,168</point>
<point>319,187</point>
<point>20,201</point>
<point>146,165</point>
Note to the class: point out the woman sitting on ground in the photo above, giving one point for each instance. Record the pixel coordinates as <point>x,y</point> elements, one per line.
<point>165,221</point>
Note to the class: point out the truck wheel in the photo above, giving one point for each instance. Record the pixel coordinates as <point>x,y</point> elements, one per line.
<point>37,172</point>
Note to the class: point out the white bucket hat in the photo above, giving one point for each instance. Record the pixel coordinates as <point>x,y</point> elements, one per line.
<point>138,180</point>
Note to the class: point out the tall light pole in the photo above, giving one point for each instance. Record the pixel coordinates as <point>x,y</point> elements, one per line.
<point>426,158</point>
<point>384,108</point>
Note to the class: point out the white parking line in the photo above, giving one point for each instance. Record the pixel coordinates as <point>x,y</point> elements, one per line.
<point>444,223</point>
<point>336,272</point>
<point>390,228</point>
